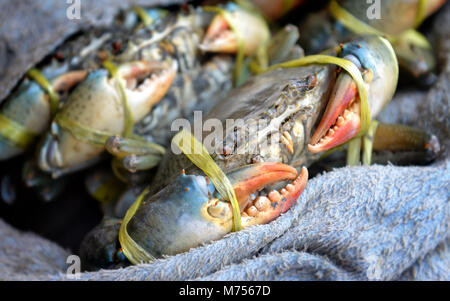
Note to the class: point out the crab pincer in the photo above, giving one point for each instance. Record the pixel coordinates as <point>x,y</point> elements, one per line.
<point>224,34</point>
<point>341,120</point>
<point>193,212</point>
<point>96,108</point>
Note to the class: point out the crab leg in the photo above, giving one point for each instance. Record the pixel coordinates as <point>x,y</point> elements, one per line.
<point>121,147</point>
<point>396,137</point>
<point>134,163</point>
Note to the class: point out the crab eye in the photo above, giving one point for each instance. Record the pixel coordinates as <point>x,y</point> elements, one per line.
<point>354,60</point>
<point>295,87</point>
<point>119,46</point>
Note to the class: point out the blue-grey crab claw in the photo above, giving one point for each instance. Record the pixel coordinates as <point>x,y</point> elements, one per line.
<point>376,60</point>
<point>26,113</point>
<point>96,104</point>
<point>101,249</point>
<point>189,211</point>
<point>29,97</point>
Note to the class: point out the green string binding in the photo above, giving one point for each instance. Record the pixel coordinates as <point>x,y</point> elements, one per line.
<point>367,141</point>
<point>15,133</point>
<point>146,18</point>
<point>40,79</point>
<point>198,155</point>
<point>132,250</point>
<point>359,27</point>
<point>347,66</point>
<point>421,13</point>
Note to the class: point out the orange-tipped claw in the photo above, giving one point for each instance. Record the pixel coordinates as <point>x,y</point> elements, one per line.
<point>341,120</point>
<point>68,80</point>
<point>146,83</point>
<point>188,212</point>
<point>252,178</point>
<point>264,209</point>
<point>268,205</point>
<point>220,37</point>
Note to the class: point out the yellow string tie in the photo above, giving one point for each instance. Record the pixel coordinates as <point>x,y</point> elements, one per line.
<point>347,66</point>
<point>197,153</point>
<point>16,133</point>
<point>359,27</point>
<point>40,79</point>
<point>146,18</point>
<point>132,250</point>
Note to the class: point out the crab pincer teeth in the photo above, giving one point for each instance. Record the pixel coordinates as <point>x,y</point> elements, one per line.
<point>266,208</point>
<point>219,37</point>
<point>341,120</point>
<point>254,177</point>
<point>256,204</point>
<point>139,74</point>
<point>146,83</point>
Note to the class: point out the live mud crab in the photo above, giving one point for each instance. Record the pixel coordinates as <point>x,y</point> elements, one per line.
<point>182,209</point>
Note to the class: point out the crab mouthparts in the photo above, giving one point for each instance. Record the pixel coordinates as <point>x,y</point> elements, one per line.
<point>219,37</point>
<point>341,120</point>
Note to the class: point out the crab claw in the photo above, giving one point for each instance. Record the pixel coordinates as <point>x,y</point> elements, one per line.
<point>260,207</point>
<point>28,110</point>
<point>190,211</point>
<point>29,107</point>
<point>341,120</point>
<point>96,104</point>
<point>221,38</point>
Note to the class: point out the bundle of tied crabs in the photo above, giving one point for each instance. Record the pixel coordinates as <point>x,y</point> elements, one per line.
<point>112,94</point>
